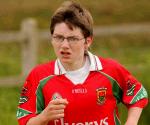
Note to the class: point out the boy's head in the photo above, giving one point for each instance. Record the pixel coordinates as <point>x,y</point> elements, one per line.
<point>74,15</point>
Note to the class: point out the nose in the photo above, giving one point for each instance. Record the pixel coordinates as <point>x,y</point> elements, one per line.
<point>65,44</point>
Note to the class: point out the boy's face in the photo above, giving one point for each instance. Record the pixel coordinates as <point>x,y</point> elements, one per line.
<point>69,45</point>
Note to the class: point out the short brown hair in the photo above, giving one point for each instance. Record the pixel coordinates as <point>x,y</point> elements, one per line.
<point>74,15</point>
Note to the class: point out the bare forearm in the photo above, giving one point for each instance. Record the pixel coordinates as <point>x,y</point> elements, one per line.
<point>133,116</point>
<point>38,120</point>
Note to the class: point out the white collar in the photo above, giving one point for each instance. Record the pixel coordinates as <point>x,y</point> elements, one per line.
<point>95,65</point>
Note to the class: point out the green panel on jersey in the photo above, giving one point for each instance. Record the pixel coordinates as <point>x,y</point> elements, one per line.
<point>22,113</point>
<point>140,95</point>
<point>117,91</point>
<point>40,99</point>
<point>117,121</point>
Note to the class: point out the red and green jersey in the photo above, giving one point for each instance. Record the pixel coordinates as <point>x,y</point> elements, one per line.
<point>93,102</point>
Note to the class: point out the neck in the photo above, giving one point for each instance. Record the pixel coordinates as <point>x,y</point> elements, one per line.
<point>75,66</point>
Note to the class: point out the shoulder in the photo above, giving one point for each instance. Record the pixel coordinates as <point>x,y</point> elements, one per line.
<point>42,71</point>
<point>46,67</point>
<point>113,67</point>
<point>109,63</point>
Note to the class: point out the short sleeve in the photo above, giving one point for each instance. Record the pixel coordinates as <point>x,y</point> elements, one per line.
<point>134,93</point>
<point>27,107</point>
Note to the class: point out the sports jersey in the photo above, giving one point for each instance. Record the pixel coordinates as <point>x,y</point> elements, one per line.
<point>93,102</point>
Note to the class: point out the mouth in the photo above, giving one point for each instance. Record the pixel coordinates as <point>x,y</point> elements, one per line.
<point>65,54</point>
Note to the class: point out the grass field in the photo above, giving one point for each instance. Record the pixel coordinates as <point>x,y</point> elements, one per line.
<point>133,51</point>
<point>8,103</point>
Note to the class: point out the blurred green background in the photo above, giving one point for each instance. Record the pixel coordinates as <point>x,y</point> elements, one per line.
<point>132,50</point>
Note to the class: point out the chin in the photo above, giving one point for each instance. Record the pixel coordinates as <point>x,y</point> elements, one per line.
<point>65,60</point>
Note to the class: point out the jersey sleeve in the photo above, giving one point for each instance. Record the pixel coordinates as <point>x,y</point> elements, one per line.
<point>29,102</point>
<point>27,107</point>
<point>134,93</point>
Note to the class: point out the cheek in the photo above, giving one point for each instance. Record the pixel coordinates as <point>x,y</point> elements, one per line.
<point>82,47</point>
<point>79,49</point>
<point>55,47</point>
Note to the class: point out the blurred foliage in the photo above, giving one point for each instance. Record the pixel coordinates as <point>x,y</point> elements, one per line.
<point>10,58</point>
<point>104,12</point>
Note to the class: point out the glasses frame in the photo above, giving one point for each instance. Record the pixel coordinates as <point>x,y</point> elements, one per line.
<point>70,39</point>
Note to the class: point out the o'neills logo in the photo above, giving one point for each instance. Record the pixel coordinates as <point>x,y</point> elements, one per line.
<point>101,122</point>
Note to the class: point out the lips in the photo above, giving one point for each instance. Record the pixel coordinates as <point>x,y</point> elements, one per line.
<point>65,54</point>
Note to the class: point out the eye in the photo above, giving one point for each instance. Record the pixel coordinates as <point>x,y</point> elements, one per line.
<point>72,39</point>
<point>58,38</point>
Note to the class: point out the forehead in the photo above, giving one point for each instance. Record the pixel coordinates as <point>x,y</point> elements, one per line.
<point>63,29</point>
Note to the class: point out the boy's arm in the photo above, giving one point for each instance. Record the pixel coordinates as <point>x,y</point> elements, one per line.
<point>133,115</point>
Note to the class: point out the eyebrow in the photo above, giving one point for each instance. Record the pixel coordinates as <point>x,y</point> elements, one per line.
<point>65,36</point>
<point>57,34</point>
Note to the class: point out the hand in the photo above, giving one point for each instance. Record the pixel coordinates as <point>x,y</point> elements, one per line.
<point>54,110</point>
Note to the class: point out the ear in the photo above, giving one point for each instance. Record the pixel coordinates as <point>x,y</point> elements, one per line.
<point>89,41</point>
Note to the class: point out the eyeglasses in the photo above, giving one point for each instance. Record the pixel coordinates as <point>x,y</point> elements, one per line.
<point>70,39</point>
